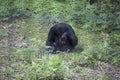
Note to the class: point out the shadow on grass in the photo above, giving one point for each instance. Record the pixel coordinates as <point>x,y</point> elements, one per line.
<point>78,49</point>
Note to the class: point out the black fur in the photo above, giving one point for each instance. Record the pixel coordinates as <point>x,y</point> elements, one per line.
<point>61,37</point>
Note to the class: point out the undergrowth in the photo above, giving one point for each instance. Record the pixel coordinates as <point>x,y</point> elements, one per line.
<point>22,42</point>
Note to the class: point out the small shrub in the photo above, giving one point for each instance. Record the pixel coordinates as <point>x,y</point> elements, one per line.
<point>28,54</point>
<point>48,68</point>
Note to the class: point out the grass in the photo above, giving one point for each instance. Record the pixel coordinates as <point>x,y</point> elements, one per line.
<point>23,55</point>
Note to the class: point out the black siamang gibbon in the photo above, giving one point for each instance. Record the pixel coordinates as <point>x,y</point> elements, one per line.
<point>61,37</point>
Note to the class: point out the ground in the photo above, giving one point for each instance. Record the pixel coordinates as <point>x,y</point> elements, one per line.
<point>27,37</point>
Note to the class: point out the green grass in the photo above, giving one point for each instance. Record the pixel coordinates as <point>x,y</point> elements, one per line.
<point>27,59</point>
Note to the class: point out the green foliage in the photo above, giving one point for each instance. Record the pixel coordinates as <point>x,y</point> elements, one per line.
<point>28,54</point>
<point>11,9</point>
<point>78,60</point>
<point>101,18</point>
<point>3,33</point>
<point>97,27</point>
<point>96,53</point>
<point>51,11</point>
<point>48,68</point>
